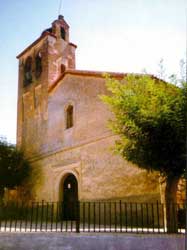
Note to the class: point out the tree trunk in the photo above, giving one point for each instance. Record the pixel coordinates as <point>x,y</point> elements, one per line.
<point>2,191</point>
<point>171,204</point>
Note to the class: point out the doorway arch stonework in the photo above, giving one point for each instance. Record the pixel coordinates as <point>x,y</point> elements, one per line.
<point>59,177</point>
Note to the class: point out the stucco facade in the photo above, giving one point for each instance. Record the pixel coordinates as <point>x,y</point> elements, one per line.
<point>85,149</point>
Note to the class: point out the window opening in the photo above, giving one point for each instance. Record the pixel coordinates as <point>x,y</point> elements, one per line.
<point>38,65</point>
<point>69,117</point>
<point>62,68</point>
<point>28,71</point>
<point>63,33</point>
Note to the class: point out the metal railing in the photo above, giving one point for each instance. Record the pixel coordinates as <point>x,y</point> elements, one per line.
<point>100,216</point>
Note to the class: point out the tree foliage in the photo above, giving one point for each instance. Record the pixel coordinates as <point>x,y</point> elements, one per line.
<point>14,168</point>
<point>150,117</point>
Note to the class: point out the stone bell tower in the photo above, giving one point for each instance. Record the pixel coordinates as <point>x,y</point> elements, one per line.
<point>40,65</point>
<point>61,53</point>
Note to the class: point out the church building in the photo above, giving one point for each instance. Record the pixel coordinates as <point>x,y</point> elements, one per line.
<point>62,127</point>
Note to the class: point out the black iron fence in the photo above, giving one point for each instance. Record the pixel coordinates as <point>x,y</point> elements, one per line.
<point>90,217</point>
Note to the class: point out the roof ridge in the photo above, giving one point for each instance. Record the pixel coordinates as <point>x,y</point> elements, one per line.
<point>117,75</point>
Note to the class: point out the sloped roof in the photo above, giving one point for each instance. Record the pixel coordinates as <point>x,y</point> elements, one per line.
<point>85,73</point>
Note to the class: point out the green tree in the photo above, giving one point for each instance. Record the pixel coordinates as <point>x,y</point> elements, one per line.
<point>14,168</point>
<point>150,119</point>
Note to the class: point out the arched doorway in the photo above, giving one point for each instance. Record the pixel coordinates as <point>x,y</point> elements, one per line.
<point>70,197</point>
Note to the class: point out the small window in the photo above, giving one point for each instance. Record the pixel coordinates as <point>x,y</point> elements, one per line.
<point>62,68</point>
<point>69,117</point>
<point>63,33</point>
<point>38,65</point>
<point>28,71</point>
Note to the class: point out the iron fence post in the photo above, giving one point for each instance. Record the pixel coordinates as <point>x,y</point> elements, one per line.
<point>78,217</point>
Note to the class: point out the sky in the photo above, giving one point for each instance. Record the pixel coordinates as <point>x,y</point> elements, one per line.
<point>111,35</point>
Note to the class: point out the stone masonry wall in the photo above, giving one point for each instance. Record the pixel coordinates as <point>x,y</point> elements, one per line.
<point>101,175</point>
<point>86,149</point>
